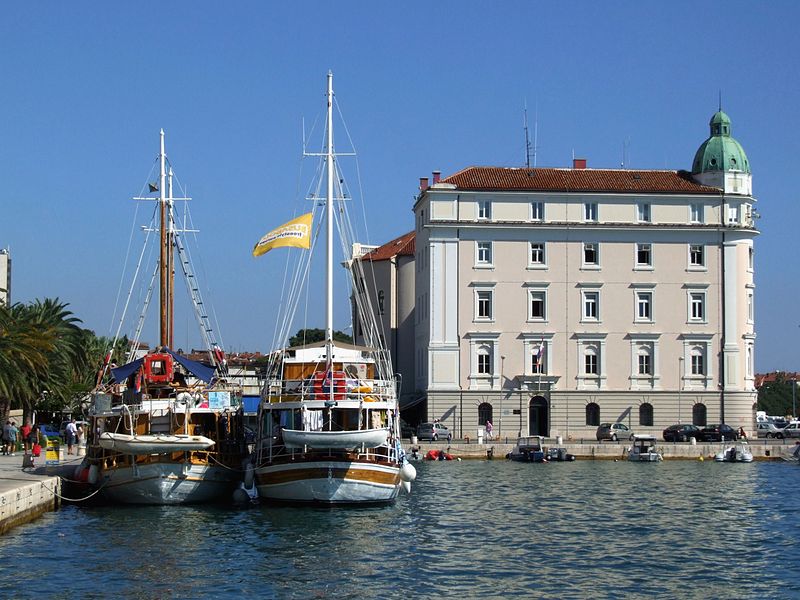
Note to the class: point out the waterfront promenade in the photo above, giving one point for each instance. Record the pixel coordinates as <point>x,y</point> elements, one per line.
<point>26,493</point>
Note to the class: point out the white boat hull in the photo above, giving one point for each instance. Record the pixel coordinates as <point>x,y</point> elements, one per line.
<point>369,438</point>
<point>153,444</point>
<point>742,458</point>
<point>328,482</point>
<point>167,483</point>
<point>645,457</point>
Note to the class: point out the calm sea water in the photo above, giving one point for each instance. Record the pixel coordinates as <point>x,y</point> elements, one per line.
<point>471,529</point>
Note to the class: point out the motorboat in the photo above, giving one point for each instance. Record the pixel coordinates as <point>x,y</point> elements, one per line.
<point>528,449</point>
<point>644,449</point>
<point>738,452</point>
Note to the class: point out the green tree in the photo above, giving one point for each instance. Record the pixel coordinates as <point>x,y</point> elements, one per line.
<point>309,336</point>
<point>775,397</point>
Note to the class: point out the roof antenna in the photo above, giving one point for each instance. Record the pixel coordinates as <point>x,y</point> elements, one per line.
<point>527,139</point>
<point>528,146</point>
<point>720,100</point>
<point>625,146</point>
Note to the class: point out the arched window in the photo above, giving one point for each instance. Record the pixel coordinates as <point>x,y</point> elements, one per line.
<point>593,414</point>
<point>484,413</point>
<point>699,415</point>
<point>646,414</point>
<point>484,359</point>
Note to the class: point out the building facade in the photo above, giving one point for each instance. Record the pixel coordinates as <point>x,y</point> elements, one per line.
<point>550,300</point>
<point>5,276</point>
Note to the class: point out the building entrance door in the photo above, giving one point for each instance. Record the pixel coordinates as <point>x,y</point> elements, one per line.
<point>538,422</point>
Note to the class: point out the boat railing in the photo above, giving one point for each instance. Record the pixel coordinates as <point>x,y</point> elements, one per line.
<point>296,390</point>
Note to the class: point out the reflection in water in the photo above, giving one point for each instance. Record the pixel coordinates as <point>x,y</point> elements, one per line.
<point>470,529</point>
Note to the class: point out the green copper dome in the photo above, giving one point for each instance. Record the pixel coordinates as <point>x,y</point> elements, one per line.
<point>720,152</point>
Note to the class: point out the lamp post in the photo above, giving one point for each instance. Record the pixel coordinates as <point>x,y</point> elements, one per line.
<point>680,382</point>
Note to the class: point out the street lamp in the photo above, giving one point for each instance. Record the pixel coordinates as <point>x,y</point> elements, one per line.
<point>680,377</point>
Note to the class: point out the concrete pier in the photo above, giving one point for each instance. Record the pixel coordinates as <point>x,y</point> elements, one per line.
<point>592,449</point>
<point>27,493</point>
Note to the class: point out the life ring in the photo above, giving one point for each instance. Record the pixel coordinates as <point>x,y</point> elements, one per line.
<point>321,383</point>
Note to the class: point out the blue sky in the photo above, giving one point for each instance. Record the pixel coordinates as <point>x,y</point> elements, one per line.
<point>423,86</point>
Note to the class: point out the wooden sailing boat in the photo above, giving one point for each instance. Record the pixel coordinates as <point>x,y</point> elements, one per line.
<point>329,418</point>
<point>155,437</point>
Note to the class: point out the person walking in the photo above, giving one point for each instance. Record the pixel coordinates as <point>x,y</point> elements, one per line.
<point>25,432</point>
<point>10,432</point>
<point>72,436</point>
<point>489,429</point>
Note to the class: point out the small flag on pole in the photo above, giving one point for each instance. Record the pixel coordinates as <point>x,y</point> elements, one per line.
<point>295,233</point>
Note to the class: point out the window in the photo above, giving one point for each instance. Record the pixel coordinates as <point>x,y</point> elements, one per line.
<point>733,215</point>
<point>644,306</point>
<point>537,304</point>
<point>750,253</point>
<point>696,255</point>
<point>590,211</point>
<point>644,255</point>
<point>484,210</point>
<point>590,254</point>
<point>643,212</point>
<point>750,311</point>
<point>749,359</point>
<point>699,415</point>
<point>697,301</point>
<point>538,365</point>
<point>484,361</point>
<point>645,362</point>
<point>698,362</point>
<point>483,305</point>
<point>646,414</point>
<point>593,414</point>
<point>484,253</point>
<point>537,253</point>
<point>590,366</point>
<point>591,309</point>
<point>380,302</point>
<point>696,213</point>
<point>537,211</point>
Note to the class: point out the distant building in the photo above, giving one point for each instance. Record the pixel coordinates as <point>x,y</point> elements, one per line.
<point>5,276</point>
<point>549,300</point>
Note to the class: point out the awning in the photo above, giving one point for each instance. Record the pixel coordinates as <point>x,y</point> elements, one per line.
<point>120,374</point>
<point>199,370</point>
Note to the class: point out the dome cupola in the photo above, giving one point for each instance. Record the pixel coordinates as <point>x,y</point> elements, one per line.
<point>720,152</point>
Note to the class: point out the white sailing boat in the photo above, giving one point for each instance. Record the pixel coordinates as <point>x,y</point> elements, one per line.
<point>165,429</point>
<point>329,417</point>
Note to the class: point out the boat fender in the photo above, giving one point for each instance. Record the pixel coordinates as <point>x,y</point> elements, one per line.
<point>76,474</point>
<point>408,472</point>
<point>249,476</point>
<point>185,398</point>
<point>93,473</point>
<point>240,497</point>
<point>406,485</point>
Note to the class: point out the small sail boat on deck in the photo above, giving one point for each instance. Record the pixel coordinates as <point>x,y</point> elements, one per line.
<point>329,424</point>
<point>165,429</point>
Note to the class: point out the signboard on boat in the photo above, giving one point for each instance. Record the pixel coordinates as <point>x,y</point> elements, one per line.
<point>219,400</point>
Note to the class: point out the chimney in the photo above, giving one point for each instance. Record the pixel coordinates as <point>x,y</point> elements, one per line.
<point>423,184</point>
<point>578,163</point>
<point>437,175</point>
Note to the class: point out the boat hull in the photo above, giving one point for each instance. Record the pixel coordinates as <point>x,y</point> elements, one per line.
<point>167,483</point>
<point>645,457</point>
<point>328,482</point>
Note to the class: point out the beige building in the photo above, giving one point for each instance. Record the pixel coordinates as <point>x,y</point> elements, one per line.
<point>5,276</point>
<point>550,300</point>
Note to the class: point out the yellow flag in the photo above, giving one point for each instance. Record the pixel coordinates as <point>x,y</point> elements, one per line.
<point>296,232</point>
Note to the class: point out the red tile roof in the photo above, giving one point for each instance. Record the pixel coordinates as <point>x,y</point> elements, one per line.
<point>577,180</point>
<point>402,246</point>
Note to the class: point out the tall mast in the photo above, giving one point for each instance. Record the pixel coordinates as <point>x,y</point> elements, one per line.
<point>329,219</point>
<point>164,238</point>
<point>170,264</point>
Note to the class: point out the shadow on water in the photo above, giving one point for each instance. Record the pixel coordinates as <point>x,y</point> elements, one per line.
<point>472,528</point>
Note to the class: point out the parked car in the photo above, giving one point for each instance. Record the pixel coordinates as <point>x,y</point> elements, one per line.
<point>614,432</point>
<point>792,430</point>
<point>766,429</point>
<point>716,431</point>
<point>433,431</point>
<point>681,432</point>
<point>50,431</point>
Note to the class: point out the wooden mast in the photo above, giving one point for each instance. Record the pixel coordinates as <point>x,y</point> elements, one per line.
<point>164,239</point>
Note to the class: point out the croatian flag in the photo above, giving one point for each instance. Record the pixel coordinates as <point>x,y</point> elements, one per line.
<point>538,355</point>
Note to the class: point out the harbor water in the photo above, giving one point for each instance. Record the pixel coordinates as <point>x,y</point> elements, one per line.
<point>471,529</point>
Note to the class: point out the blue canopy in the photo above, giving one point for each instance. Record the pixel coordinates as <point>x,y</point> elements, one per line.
<point>199,370</point>
<point>120,374</point>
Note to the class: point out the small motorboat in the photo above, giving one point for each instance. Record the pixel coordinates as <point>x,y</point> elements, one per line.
<point>644,449</point>
<point>438,455</point>
<point>528,449</point>
<point>739,452</point>
<point>559,455</point>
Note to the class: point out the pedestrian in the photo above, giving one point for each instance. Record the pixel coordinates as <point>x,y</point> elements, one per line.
<point>5,436</point>
<point>489,429</point>
<point>25,430</point>
<point>742,434</point>
<point>72,436</point>
<point>10,432</point>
